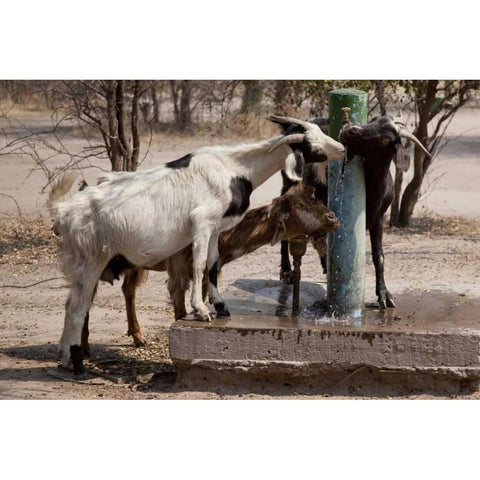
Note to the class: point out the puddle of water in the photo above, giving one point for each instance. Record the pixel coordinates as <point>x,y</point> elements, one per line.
<point>416,310</point>
<point>270,297</point>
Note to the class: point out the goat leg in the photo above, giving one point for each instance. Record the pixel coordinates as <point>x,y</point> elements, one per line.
<point>85,333</point>
<point>178,282</point>
<point>76,308</point>
<point>385,299</point>
<point>85,330</point>
<point>215,298</point>
<point>213,271</point>
<point>201,240</point>
<point>129,286</point>
<point>285,265</point>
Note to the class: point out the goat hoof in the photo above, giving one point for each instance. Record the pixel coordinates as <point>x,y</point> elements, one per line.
<point>62,355</point>
<point>77,359</point>
<point>382,304</point>
<point>139,342</point>
<point>63,358</point>
<point>138,339</point>
<point>79,370</point>
<point>204,317</point>
<point>81,376</point>
<point>221,309</point>
<point>390,302</point>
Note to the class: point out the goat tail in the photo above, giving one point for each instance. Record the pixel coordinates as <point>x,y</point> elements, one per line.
<point>59,190</point>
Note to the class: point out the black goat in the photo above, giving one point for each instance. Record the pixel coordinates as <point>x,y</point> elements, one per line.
<point>378,142</point>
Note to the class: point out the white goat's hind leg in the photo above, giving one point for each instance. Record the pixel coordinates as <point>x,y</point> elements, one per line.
<point>201,240</point>
<point>77,305</point>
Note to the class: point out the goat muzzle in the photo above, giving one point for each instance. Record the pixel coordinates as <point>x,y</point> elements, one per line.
<point>330,222</point>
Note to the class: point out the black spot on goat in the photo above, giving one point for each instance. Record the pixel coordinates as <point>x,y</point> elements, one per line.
<point>241,189</point>
<point>183,162</point>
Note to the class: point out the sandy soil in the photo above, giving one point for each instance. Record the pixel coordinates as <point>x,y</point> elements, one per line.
<point>439,252</point>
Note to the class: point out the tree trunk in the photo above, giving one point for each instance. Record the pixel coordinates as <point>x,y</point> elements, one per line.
<point>113,148</point>
<point>181,98</point>
<point>379,92</point>
<point>395,208</point>
<point>421,164</point>
<point>156,104</point>
<point>135,151</point>
<point>176,109</point>
<point>280,100</point>
<point>185,108</point>
<point>125,146</point>
<point>252,96</point>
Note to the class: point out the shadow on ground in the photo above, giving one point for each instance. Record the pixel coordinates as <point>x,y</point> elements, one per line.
<point>119,364</point>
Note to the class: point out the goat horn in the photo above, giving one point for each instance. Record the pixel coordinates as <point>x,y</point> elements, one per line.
<point>409,136</point>
<point>288,139</point>
<point>288,120</point>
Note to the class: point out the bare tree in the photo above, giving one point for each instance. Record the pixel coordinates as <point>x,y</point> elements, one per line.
<point>156,90</point>
<point>182,91</point>
<point>252,96</point>
<point>436,103</point>
<point>105,113</point>
<point>110,108</point>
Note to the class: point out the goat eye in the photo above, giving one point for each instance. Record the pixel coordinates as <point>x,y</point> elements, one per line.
<point>384,141</point>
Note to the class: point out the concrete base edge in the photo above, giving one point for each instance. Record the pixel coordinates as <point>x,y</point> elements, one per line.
<point>286,378</point>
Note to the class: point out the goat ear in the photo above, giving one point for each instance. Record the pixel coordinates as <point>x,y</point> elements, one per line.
<point>280,211</point>
<point>289,124</point>
<point>321,122</point>
<point>402,157</point>
<point>309,190</point>
<point>294,164</point>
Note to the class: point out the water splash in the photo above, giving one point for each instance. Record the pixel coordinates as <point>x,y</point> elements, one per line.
<point>339,187</point>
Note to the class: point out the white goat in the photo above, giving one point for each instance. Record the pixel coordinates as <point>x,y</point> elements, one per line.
<point>149,215</point>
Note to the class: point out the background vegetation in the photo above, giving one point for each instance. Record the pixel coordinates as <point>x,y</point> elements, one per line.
<point>117,119</point>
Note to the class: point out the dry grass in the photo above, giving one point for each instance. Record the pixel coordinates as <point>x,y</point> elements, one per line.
<point>23,239</point>
<point>436,225</point>
<point>32,108</point>
<point>125,364</point>
<point>237,129</point>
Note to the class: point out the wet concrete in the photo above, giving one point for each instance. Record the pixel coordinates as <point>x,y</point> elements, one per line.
<point>430,340</point>
<point>270,303</point>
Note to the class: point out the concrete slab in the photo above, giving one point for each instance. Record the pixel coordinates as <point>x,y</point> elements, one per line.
<point>431,341</point>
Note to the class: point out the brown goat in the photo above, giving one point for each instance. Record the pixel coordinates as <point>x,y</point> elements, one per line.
<point>296,212</point>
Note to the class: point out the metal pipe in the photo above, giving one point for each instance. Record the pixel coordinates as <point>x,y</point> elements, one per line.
<point>298,247</point>
<point>346,197</point>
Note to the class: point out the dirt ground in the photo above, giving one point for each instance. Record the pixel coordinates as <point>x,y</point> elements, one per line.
<point>439,252</point>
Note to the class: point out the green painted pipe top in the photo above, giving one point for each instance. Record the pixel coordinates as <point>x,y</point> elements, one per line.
<point>347,91</point>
